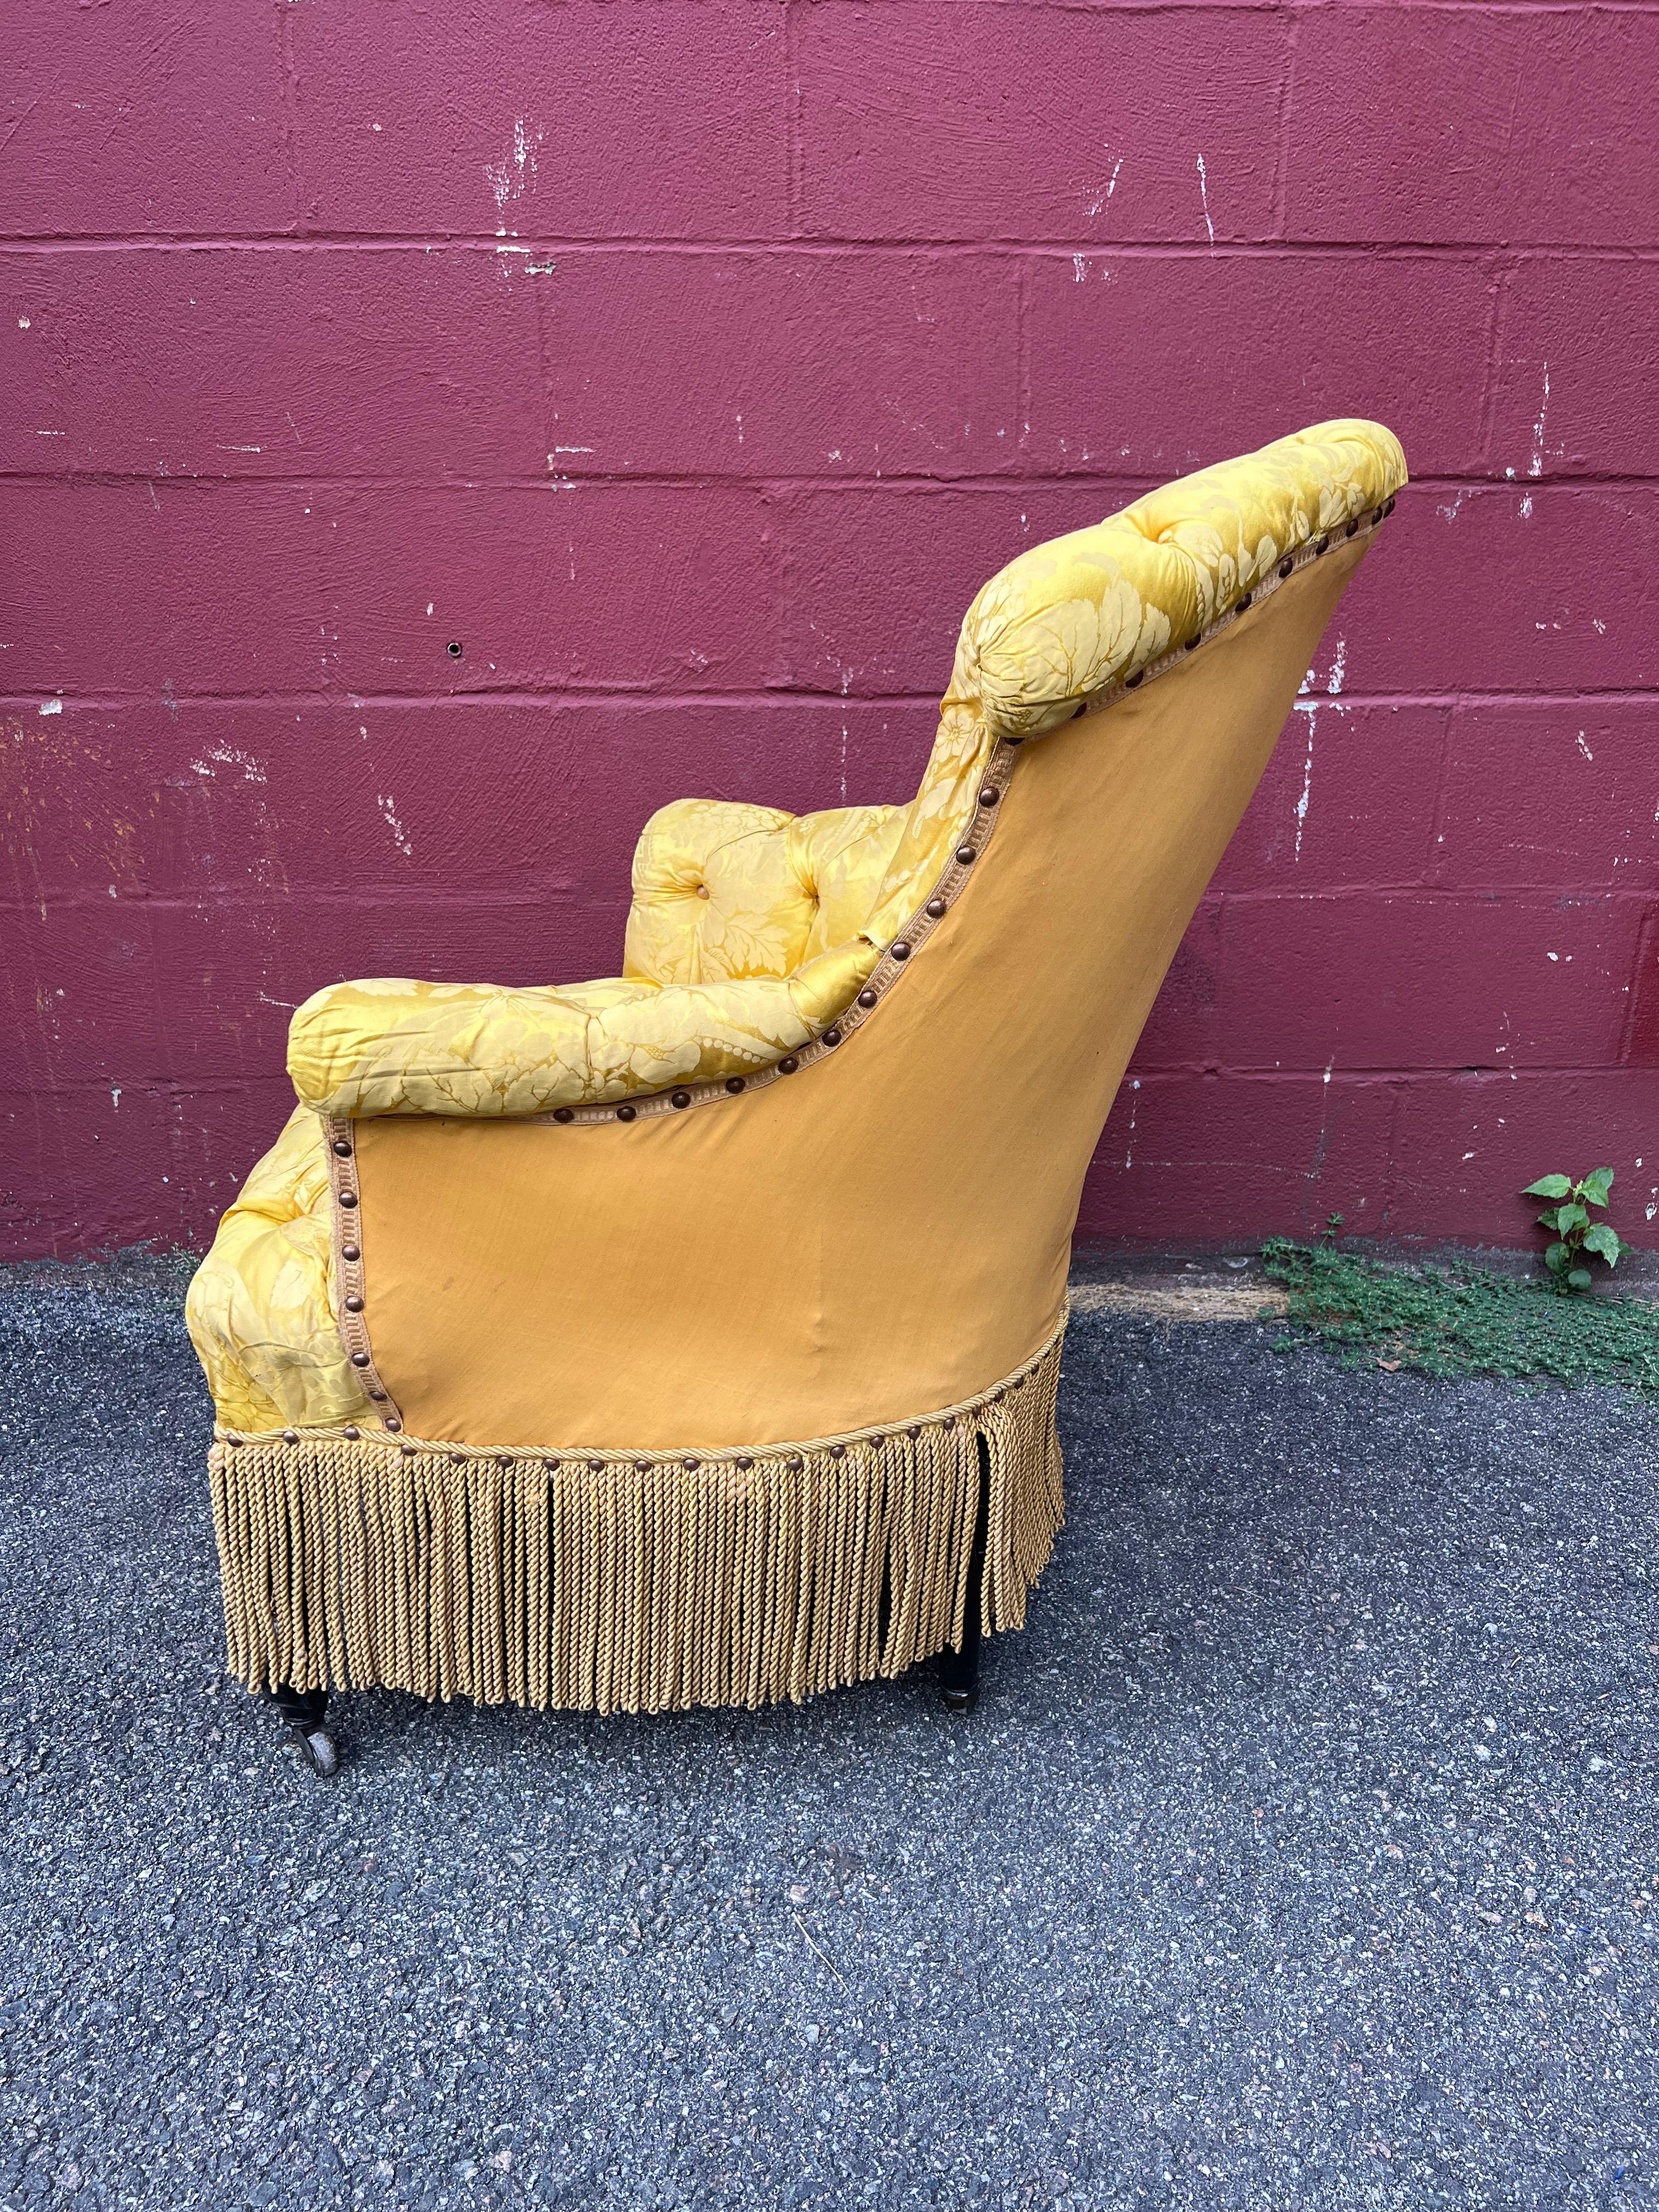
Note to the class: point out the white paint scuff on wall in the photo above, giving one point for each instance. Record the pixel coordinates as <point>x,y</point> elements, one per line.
<point>1311,708</point>
<point>1204,195</point>
<point>508,178</point>
<point>383,801</point>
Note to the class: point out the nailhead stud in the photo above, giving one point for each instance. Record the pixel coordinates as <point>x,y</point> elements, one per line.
<point>347,1198</point>
<point>744,1464</point>
<point>966,855</point>
<point>989,796</point>
<point>290,1436</point>
<point>595,1467</point>
<point>936,907</point>
<point>343,1148</point>
<point>1376,518</point>
<point>1285,568</point>
<point>233,1441</point>
<point>360,1359</point>
<point>900,950</point>
<point>551,1466</point>
<point>458,1459</point>
<point>350,1252</point>
<point>641,1467</point>
<point>379,1396</point>
<point>1244,606</point>
<point>1387,504</point>
<point>832,1037</point>
<point>1015,737</point>
<point>912,1433</point>
<point>404,1451</point>
<point>563,1114</point>
<point>627,1114</point>
<point>788,1066</point>
<point>868,997</point>
<point>353,1305</point>
<point>394,1425</point>
<point>837,1451</point>
<point>503,1459</point>
<point>793,1466</point>
<point>1323,547</point>
<point>735,1083</point>
<point>1193,643</point>
<point>681,1098</point>
<point>1133,683</point>
<point>1351,529</point>
<point>691,1465</point>
<point>351,1434</point>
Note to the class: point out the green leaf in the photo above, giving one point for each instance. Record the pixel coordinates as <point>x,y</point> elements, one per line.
<point>1549,1187</point>
<point>1603,1238</point>
<point>1595,1186</point>
<point>1556,1258</point>
<point>1580,1279</point>
<point>1570,1217</point>
<point>1549,1218</point>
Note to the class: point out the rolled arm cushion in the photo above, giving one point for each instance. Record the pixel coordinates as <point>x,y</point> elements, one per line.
<point>750,929</point>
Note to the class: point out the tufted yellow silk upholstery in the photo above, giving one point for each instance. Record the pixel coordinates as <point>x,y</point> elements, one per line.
<point>809,1260</point>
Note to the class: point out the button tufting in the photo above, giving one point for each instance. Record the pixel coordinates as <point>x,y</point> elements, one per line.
<point>681,1098</point>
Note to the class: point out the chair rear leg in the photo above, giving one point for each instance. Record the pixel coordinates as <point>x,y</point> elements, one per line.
<point>304,1713</point>
<point>958,1669</point>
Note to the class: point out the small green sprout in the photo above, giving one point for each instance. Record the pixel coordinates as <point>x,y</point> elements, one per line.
<point>1577,1238</point>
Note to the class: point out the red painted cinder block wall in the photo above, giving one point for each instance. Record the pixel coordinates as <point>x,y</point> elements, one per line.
<point>689,366</point>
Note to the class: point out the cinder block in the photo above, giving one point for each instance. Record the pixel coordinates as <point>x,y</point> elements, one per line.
<point>295,363</point>
<point>934,121</point>
<point>1472,123</point>
<point>284,588</point>
<point>1210,1160</point>
<point>791,364</point>
<point>1560,793</point>
<point>1405,980</point>
<point>1347,800</point>
<point>1576,374</point>
<point>1152,364</point>
<point>578,121</point>
<point>127,123</point>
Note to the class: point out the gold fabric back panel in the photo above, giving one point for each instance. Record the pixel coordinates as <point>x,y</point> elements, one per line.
<point>889,1233</point>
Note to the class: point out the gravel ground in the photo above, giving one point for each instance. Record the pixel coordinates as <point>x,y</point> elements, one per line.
<point>1302,1853</point>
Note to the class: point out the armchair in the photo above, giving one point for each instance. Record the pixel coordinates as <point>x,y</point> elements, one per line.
<point>692,1337</point>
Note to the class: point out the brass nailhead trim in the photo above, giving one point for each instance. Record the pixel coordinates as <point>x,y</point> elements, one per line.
<point>627,1114</point>
<point>900,950</point>
<point>735,1083</point>
<point>680,1098</point>
<point>350,1252</point>
<point>867,998</point>
<point>343,1148</point>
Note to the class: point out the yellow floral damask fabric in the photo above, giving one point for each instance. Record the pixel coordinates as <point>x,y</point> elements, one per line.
<point>750,930</point>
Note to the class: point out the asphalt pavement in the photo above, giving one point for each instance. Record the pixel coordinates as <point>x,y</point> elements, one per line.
<point>1302,1853</point>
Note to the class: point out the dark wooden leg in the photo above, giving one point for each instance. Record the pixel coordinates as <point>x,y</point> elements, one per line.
<point>305,1715</point>
<point>958,1669</point>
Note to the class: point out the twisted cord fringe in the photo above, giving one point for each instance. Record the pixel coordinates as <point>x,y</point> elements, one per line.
<point>639,1586</point>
